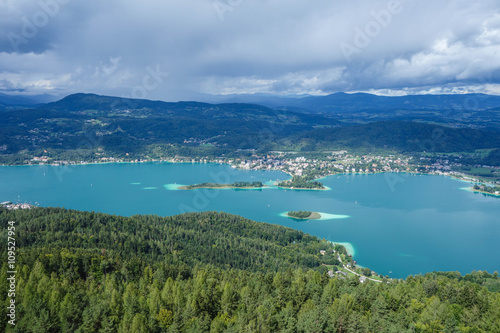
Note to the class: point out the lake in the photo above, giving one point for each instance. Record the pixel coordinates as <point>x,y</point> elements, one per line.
<point>396,224</point>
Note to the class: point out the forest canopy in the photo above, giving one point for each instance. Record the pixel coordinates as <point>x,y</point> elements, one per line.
<point>216,272</point>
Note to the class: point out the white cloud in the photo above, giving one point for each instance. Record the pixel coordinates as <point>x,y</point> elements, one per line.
<point>279,46</point>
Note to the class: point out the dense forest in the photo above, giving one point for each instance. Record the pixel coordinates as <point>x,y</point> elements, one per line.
<point>409,137</point>
<point>215,272</point>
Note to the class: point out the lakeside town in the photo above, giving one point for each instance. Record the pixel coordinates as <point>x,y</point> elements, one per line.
<point>318,165</point>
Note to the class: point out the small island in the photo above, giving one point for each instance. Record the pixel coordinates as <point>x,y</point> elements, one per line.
<point>304,215</point>
<point>302,183</point>
<point>235,185</point>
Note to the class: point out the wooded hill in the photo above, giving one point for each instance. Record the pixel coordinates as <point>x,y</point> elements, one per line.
<point>215,272</point>
<point>400,136</point>
<point>87,127</point>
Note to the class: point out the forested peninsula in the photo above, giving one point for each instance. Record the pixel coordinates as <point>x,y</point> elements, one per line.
<point>216,272</point>
<point>485,189</point>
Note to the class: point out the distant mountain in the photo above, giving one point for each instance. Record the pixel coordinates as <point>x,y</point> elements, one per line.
<point>9,102</point>
<point>15,100</point>
<point>92,104</point>
<point>342,102</point>
<point>356,102</point>
<point>269,100</point>
<point>127,125</point>
<point>121,126</point>
<point>477,111</point>
<point>82,102</point>
<point>338,103</point>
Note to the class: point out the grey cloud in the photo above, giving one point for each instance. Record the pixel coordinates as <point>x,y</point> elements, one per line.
<point>38,26</point>
<point>279,46</point>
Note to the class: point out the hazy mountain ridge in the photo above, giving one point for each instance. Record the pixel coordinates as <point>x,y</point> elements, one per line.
<point>18,101</point>
<point>456,110</point>
<point>348,102</point>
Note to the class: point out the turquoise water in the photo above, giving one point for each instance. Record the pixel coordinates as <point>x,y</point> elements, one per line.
<point>404,224</point>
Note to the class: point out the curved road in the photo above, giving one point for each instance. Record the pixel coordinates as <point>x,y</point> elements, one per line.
<point>355,272</point>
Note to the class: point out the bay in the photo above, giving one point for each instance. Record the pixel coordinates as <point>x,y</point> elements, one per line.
<point>396,224</point>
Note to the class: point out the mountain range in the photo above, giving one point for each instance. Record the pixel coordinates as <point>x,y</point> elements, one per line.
<point>354,102</point>
<point>119,125</point>
<point>332,103</point>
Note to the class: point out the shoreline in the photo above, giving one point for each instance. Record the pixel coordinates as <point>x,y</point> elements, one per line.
<point>351,250</point>
<point>455,177</point>
<point>91,163</point>
<point>333,175</point>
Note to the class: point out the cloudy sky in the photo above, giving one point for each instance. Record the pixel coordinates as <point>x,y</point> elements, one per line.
<point>179,49</point>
